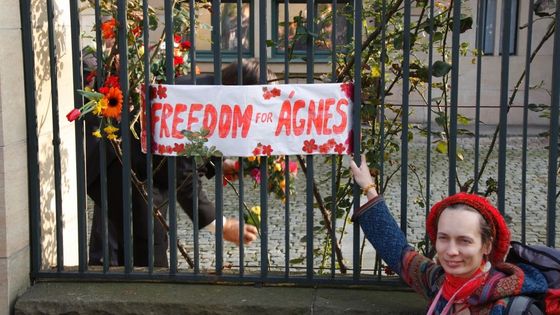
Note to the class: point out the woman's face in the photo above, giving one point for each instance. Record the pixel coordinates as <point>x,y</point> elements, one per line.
<point>459,243</point>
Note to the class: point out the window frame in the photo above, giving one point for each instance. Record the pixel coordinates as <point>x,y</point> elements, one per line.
<point>489,42</point>
<point>299,55</point>
<point>229,55</point>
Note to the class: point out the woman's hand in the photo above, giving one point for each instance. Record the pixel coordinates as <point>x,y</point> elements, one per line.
<point>363,178</point>
<point>231,232</point>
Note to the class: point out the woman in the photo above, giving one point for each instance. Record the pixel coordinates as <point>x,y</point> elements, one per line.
<point>471,241</point>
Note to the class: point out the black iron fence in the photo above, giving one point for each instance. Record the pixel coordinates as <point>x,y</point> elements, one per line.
<point>442,109</point>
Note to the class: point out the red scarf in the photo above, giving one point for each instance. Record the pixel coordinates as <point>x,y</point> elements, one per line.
<point>452,284</point>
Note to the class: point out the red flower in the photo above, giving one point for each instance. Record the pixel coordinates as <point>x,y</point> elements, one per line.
<point>178,148</point>
<point>185,45</point>
<point>161,148</point>
<point>137,31</point>
<point>324,148</point>
<point>91,76</point>
<point>293,167</point>
<point>267,95</point>
<point>108,28</point>
<point>256,175</point>
<point>178,60</point>
<point>275,92</point>
<point>112,81</point>
<point>257,151</point>
<point>348,89</point>
<point>103,90</point>
<point>309,146</point>
<point>177,38</point>
<point>162,91</point>
<point>73,114</point>
<point>168,149</point>
<point>267,150</point>
<point>340,148</point>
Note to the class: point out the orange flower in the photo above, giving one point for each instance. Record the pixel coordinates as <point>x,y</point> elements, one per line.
<point>108,28</point>
<point>114,103</point>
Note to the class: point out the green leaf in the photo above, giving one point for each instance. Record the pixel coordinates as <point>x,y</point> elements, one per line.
<point>270,43</point>
<point>296,261</point>
<point>441,147</point>
<point>463,120</point>
<point>440,68</point>
<point>537,107</point>
<point>466,24</point>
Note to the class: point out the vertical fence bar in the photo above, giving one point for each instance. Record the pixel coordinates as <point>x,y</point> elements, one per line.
<point>195,217</point>
<point>480,48</point>
<point>216,48</point>
<point>504,82</point>
<point>357,130</point>
<point>287,80</point>
<point>310,51</point>
<point>33,179</point>
<point>553,144</point>
<point>103,208</point>
<point>125,136</point>
<point>79,135</point>
<point>382,96</point>
<point>240,82</point>
<point>429,116</point>
<point>404,112</point>
<point>171,161</point>
<point>334,187</point>
<point>241,173</point>
<point>192,56</point>
<point>56,138</point>
<point>525,121</point>
<point>264,177</point>
<point>452,152</point>
<point>287,217</point>
<point>149,154</point>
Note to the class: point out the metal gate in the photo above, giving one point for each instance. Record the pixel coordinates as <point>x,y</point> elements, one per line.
<point>424,75</point>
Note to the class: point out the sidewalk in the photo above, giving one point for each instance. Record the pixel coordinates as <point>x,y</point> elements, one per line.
<point>159,298</point>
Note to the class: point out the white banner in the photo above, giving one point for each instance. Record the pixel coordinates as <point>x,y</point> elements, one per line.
<point>253,120</point>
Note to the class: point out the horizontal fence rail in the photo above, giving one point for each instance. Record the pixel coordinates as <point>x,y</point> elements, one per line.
<point>438,110</point>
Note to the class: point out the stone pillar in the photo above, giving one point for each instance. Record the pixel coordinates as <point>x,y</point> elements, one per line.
<point>14,214</point>
<point>14,200</point>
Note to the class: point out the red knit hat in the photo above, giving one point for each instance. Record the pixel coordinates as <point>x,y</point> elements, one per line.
<point>500,231</point>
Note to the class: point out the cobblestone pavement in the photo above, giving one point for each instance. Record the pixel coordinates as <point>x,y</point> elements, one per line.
<point>536,183</point>
<point>537,170</point>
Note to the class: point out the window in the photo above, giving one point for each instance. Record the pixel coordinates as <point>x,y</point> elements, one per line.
<point>228,30</point>
<point>489,8</point>
<point>297,23</point>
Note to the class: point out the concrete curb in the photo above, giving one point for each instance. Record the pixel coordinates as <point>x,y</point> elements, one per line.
<point>165,298</point>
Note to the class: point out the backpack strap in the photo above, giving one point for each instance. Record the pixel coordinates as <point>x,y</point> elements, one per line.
<point>523,305</point>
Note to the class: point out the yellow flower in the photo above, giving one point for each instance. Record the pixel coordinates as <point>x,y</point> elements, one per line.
<point>278,167</point>
<point>112,136</point>
<point>256,210</point>
<point>100,106</point>
<point>109,130</point>
<point>282,184</point>
<point>141,51</point>
<point>251,158</point>
<point>96,133</point>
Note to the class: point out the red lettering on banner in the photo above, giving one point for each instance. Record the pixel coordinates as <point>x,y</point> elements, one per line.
<point>315,117</point>
<point>192,116</point>
<point>165,114</point>
<point>155,118</point>
<point>298,128</point>
<point>284,118</point>
<point>327,115</point>
<point>225,121</point>
<point>242,120</point>
<point>210,119</point>
<point>179,108</point>
<point>344,118</point>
